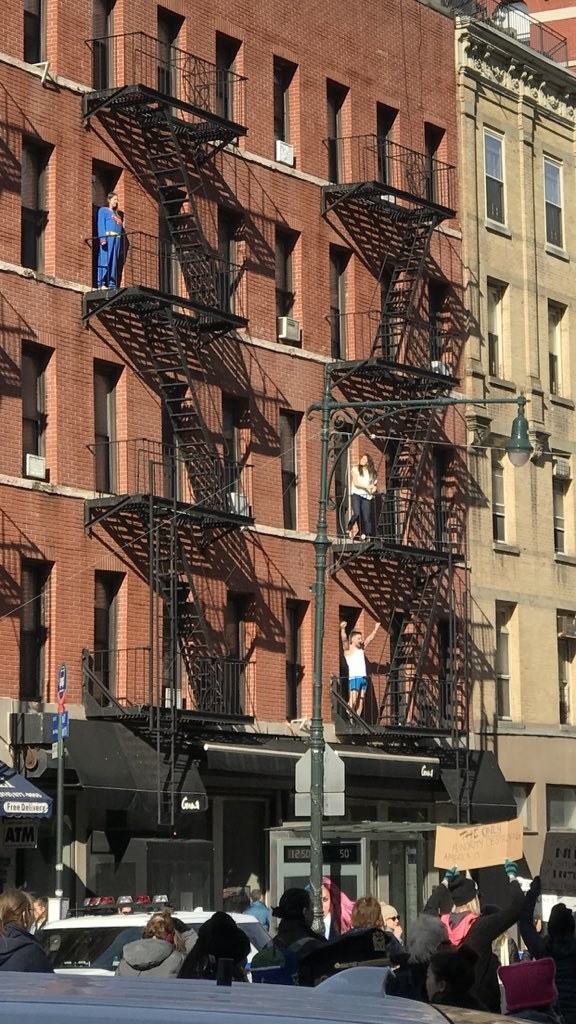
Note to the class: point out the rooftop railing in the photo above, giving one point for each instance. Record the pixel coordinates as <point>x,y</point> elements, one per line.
<point>515,20</point>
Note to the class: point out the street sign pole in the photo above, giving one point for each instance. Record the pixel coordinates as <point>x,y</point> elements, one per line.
<point>59,888</point>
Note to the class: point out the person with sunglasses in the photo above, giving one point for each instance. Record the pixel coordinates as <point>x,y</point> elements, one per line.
<point>391,920</point>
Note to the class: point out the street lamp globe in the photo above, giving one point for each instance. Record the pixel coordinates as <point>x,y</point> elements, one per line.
<point>519,448</point>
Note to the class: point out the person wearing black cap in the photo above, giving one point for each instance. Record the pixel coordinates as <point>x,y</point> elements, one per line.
<point>219,938</point>
<point>294,937</point>
<point>559,943</point>
<point>456,901</point>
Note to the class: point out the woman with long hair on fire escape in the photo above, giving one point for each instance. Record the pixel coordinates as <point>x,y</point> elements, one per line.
<point>363,489</point>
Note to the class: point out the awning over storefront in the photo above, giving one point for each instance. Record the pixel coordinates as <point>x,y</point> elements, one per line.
<point>490,795</point>
<point>19,798</point>
<point>123,772</point>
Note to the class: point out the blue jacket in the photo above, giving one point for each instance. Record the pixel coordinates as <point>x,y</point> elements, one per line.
<point>20,951</point>
<point>260,911</point>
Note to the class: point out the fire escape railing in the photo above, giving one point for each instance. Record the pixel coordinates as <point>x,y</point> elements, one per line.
<point>514,19</point>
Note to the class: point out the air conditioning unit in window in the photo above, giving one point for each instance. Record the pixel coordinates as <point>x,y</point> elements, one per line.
<point>239,503</point>
<point>437,366</point>
<point>284,153</point>
<point>567,626</point>
<point>36,467</point>
<point>561,469</point>
<point>288,329</point>
<point>387,197</point>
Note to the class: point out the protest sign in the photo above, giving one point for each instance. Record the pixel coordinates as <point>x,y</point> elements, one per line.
<point>478,846</point>
<point>558,870</point>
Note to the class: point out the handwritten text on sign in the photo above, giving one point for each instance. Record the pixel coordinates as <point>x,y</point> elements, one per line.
<point>478,846</point>
<point>558,871</point>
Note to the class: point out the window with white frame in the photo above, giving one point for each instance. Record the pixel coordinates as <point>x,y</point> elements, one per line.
<point>565,656</point>
<point>553,202</point>
<point>559,489</point>
<point>522,792</point>
<point>495,299</point>
<point>498,504</point>
<point>560,807</point>
<point>555,332</point>
<point>504,615</point>
<point>494,176</point>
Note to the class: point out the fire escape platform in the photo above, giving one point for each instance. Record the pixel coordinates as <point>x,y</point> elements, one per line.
<point>345,551</point>
<point>382,370</point>
<point>142,299</point>
<point>141,713</point>
<point>385,197</point>
<point>135,98</point>
<point>113,506</point>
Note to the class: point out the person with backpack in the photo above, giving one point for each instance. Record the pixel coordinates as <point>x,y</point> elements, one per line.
<point>457,904</point>
<point>292,941</point>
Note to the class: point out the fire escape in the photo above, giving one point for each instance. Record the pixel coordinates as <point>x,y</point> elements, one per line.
<point>169,113</point>
<point>411,573</point>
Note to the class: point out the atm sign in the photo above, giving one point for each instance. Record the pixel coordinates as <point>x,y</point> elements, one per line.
<point>332,853</point>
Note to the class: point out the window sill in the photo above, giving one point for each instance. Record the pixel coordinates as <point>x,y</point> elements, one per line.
<point>505,549</point>
<point>560,254</point>
<point>502,384</point>
<point>566,403</point>
<point>563,559</point>
<point>497,229</point>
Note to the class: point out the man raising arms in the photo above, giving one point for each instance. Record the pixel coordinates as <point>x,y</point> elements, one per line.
<point>354,647</point>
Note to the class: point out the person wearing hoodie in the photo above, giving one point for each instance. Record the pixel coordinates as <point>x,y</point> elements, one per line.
<point>294,938</point>
<point>158,954</point>
<point>456,902</point>
<point>559,944</point>
<point>19,950</point>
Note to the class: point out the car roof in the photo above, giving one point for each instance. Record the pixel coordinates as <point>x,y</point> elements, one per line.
<point>59,997</point>
<point>140,918</point>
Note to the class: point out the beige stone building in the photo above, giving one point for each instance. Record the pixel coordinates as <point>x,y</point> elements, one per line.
<point>518,117</point>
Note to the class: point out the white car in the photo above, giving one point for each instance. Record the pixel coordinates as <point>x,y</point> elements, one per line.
<point>93,944</point>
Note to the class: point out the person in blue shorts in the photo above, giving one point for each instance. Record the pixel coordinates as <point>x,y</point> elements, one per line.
<point>353,647</point>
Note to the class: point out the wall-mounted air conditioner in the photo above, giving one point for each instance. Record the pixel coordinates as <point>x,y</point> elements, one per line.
<point>284,153</point>
<point>288,329</point>
<point>437,366</point>
<point>561,469</point>
<point>567,626</point>
<point>239,503</point>
<point>36,467</point>
<point>387,197</point>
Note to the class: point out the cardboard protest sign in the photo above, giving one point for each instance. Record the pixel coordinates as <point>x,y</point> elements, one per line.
<point>558,871</point>
<point>478,846</point>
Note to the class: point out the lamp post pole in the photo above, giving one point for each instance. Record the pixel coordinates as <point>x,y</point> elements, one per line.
<point>366,414</point>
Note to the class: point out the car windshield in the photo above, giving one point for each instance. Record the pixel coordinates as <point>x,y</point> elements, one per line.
<point>86,947</point>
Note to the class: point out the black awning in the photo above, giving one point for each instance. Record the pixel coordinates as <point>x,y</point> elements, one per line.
<point>491,797</point>
<point>19,798</point>
<point>117,764</point>
<point>278,759</point>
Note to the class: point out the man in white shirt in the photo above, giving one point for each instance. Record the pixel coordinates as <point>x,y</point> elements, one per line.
<point>354,647</point>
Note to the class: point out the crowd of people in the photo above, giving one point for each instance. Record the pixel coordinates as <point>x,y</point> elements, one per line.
<point>458,952</point>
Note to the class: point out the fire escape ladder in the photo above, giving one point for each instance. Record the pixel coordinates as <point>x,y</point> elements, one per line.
<point>402,703</point>
<point>179,390</point>
<point>404,476</point>
<point>177,192</point>
<point>398,312</point>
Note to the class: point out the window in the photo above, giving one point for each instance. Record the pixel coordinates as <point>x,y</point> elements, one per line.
<point>285,243</point>
<point>443,469</point>
<point>504,613</point>
<point>105,178</point>
<point>560,808</point>
<point>34,363</point>
<point>446,634</point>
<point>522,792</point>
<point>234,417</point>
<point>34,618</point>
<point>335,97</point>
<point>169,26</point>
<point>498,503</point>
<point>555,330</point>
<point>226,53</point>
<point>288,429</point>
<point>342,480</point>
<point>227,231</point>
<point>106,589</point>
<point>105,381</point>
<point>433,137</point>
<point>234,669</point>
<point>295,614</point>
<point>284,73</point>
<point>553,200</point>
<point>102,55</point>
<point>385,118</point>
<point>338,263</point>
<point>35,156</point>
<point>559,490</point>
<point>495,297</point>
<point>34,31</point>
<point>565,655</point>
<point>438,315</point>
<point>494,171</point>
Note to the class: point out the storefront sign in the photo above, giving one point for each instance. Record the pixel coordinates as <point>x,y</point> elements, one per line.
<point>478,846</point>
<point>558,870</point>
<point>20,835</point>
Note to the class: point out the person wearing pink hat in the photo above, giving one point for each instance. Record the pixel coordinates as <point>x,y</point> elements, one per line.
<point>530,990</point>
